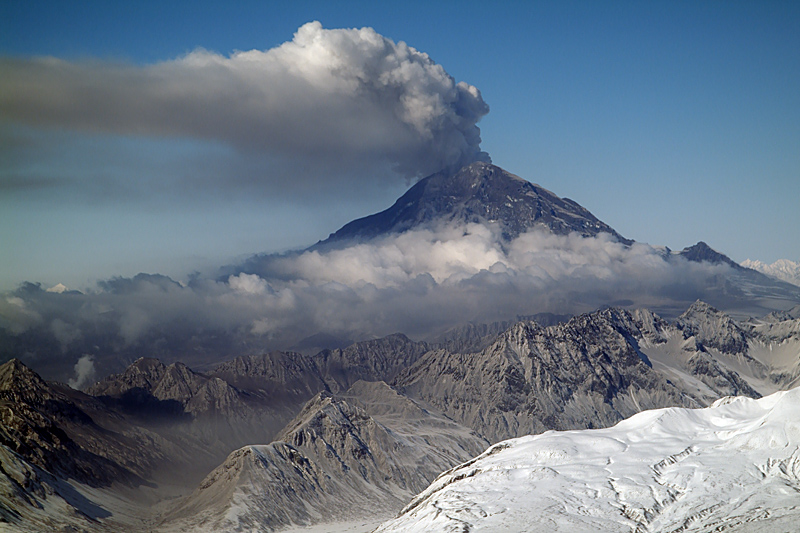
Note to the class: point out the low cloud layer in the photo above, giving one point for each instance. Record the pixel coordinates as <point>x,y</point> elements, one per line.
<point>329,104</point>
<point>420,282</point>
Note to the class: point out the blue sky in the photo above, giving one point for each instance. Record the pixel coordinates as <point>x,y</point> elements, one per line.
<point>673,122</point>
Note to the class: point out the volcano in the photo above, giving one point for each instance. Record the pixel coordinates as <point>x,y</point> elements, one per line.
<point>478,193</point>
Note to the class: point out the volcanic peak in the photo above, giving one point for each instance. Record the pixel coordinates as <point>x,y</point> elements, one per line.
<point>478,193</point>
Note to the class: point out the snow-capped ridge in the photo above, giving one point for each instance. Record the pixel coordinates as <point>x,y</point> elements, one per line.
<point>782,269</point>
<point>692,470</point>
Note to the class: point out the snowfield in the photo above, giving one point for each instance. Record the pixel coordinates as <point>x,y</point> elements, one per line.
<point>732,467</point>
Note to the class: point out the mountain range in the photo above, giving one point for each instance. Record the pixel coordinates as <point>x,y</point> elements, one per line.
<point>486,195</point>
<point>240,437</point>
<point>345,451</point>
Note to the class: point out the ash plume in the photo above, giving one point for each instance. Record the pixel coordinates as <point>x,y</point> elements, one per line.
<point>337,105</point>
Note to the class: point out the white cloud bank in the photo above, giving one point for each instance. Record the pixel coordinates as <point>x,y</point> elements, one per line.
<point>420,282</point>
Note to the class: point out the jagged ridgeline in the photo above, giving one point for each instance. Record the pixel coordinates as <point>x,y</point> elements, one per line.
<point>353,434</point>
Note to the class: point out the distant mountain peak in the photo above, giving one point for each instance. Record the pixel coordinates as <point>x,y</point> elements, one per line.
<point>713,328</point>
<point>702,252</point>
<point>478,193</point>
<point>702,308</point>
<point>782,269</point>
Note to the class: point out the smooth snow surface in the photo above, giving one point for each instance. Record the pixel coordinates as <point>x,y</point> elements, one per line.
<point>734,466</point>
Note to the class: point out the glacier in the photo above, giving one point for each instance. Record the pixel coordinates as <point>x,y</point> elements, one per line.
<point>734,466</point>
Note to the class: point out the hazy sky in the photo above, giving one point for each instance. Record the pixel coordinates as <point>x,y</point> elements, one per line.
<point>148,143</point>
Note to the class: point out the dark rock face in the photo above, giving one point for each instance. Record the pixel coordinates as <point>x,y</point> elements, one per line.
<point>282,378</point>
<point>701,252</point>
<point>479,193</point>
<point>247,399</point>
<point>374,360</point>
<point>51,430</point>
<point>713,329</point>
<point>582,374</point>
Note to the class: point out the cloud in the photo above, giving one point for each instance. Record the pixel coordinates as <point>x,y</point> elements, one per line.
<point>84,372</point>
<point>420,282</point>
<point>248,284</point>
<point>328,105</point>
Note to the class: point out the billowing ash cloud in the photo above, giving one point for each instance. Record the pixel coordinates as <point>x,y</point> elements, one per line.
<point>420,282</point>
<point>327,101</point>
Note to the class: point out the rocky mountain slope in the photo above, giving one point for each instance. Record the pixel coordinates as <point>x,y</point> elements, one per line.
<point>585,373</point>
<point>753,357</point>
<point>362,453</point>
<point>249,398</point>
<point>67,460</point>
<point>175,399</point>
<point>374,360</point>
<point>732,467</point>
<point>49,425</point>
<point>599,368</point>
<point>98,462</point>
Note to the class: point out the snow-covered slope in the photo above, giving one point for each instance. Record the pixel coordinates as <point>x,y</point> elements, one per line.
<point>707,354</point>
<point>782,269</point>
<point>731,467</point>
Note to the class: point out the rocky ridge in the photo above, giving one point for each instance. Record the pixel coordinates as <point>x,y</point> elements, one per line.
<point>48,425</point>
<point>363,437</point>
<point>585,373</point>
<point>361,453</point>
